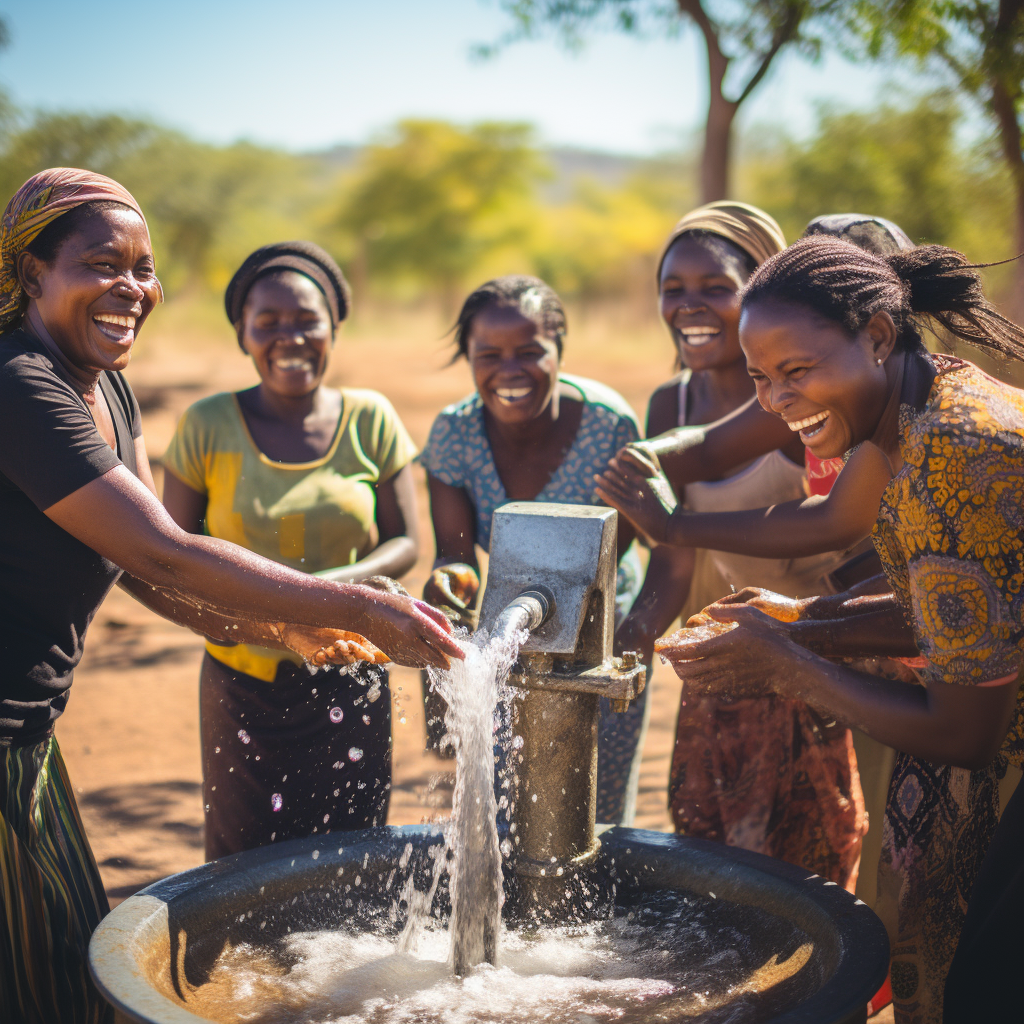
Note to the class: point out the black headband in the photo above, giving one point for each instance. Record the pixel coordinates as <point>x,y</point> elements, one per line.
<point>302,257</point>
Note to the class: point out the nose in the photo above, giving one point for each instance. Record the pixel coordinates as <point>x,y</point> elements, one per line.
<point>129,288</point>
<point>780,396</point>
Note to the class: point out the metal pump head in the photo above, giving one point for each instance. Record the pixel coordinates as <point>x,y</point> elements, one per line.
<point>571,551</point>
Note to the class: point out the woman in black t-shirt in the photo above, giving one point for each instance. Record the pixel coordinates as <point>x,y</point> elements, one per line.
<point>80,512</point>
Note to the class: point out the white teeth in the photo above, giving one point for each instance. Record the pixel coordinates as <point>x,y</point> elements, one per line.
<point>512,394</point>
<point>113,318</point>
<point>798,425</point>
<point>291,364</point>
<point>697,336</point>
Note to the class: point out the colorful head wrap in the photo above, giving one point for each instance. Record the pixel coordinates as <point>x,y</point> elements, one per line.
<point>875,234</point>
<point>305,258</point>
<point>40,201</point>
<point>752,230</point>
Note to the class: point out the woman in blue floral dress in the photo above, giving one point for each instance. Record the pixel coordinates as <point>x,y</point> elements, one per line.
<point>529,433</point>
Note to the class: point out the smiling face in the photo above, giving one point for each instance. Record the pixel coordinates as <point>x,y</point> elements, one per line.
<point>515,366</point>
<point>700,303</point>
<point>97,292</point>
<point>286,329</point>
<point>827,386</point>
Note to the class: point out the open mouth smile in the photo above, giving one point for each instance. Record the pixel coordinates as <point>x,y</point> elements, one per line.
<point>809,427</point>
<point>512,396</point>
<point>117,327</point>
<point>697,336</point>
<point>293,363</point>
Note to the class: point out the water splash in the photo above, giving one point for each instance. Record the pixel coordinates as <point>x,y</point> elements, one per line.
<point>472,690</point>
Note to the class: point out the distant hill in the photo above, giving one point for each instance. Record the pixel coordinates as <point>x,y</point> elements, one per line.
<point>567,162</point>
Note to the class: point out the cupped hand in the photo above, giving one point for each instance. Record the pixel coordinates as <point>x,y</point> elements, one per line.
<point>633,484</point>
<point>320,646</point>
<point>410,632</point>
<point>754,657</point>
<point>452,589</point>
<point>778,606</point>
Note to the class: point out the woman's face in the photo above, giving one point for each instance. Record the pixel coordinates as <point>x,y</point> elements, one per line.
<point>515,366</point>
<point>286,329</point>
<point>95,295</point>
<point>829,387</point>
<point>701,305</point>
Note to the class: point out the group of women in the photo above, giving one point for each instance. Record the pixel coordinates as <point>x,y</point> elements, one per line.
<point>807,420</point>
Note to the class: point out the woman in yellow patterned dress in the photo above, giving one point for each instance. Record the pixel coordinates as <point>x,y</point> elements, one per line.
<point>831,337</point>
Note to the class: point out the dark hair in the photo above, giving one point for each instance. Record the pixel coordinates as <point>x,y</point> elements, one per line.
<point>718,246</point>
<point>48,243</point>
<point>848,285</point>
<point>529,296</point>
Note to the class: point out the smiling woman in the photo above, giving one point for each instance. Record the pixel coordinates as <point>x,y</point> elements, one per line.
<point>77,282</point>
<point>528,433</point>
<point>319,479</point>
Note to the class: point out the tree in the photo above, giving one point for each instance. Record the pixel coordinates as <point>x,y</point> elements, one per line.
<point>980,45</point>
<point>434,200</point>
<point>746,34</point>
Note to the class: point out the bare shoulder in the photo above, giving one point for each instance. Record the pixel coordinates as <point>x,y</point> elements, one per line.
<point>663,408</point>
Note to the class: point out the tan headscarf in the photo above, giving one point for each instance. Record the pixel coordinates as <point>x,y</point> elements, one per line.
<point>753,230</point>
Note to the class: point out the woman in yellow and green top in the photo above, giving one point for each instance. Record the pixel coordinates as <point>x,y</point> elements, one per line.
<point>318,479</point>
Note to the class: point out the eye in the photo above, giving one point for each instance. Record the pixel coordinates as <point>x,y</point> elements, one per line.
<point>797,372</point>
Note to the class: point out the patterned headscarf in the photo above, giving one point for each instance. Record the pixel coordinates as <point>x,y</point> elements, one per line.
<point>751,229</point>
<point>40,201</point>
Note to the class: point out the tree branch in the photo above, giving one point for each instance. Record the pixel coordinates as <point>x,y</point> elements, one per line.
<point>786,32</point>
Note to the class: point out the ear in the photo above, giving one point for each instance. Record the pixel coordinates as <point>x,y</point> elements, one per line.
<point>30,268</point>
<point>880,333</point>
<point>239,326</point>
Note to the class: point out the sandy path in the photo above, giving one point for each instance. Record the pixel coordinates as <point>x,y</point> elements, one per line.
<point>131,733</point>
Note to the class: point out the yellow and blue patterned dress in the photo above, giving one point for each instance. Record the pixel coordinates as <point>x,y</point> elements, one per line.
<point>458,453</point>
<point>950,535</point>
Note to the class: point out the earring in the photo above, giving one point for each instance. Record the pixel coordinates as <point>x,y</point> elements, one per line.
<point>879,361</point>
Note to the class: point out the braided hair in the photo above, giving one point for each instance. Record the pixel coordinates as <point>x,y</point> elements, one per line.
<point>529,296</point>
<point>848,285</point>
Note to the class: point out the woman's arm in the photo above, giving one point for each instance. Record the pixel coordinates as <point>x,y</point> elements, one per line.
<point>941,722</point>
<point>712,451</point>
<point>454,520</point>
<point>789,530</point>
<point>118,517</point>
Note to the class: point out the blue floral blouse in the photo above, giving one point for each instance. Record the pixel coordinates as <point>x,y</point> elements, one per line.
<point>458,453</point>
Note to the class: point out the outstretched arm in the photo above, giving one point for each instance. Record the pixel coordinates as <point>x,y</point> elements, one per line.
<point>118,517</point>
<point>790,530</point>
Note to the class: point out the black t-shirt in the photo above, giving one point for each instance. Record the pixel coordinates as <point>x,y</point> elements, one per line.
<point>50,583</point>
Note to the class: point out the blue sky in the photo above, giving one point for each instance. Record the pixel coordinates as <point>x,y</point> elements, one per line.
<point>309,73</point>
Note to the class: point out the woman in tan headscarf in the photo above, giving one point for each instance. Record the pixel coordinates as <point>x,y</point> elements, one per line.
<point>761,773</point>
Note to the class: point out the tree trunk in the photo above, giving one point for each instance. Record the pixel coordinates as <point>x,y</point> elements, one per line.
<point>716,160</point>
<point>1004,108</point>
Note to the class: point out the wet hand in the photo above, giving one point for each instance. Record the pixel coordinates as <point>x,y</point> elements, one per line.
<point>452,589</point>
<point>634,485</point>
<point>779,607</point>
<point>736,651</point>
<point>410,632</point>
<point>321,646</point>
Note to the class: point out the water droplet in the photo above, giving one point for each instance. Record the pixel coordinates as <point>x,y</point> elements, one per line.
<point>517,742</point>
<point>327,818</point>
<point>355,754</point>
<point>338,764</point>
<point>337,715</point>
<point>533,799</point>
<point>216,750</point>
<point>313,691</point>
<point>506,848</point>
<point>316,853</point>
<point>401,721</point>
<point>244,736</point>
<point>276,803</point>
<point>366,719</point>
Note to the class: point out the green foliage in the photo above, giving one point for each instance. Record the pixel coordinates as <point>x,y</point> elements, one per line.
<point>901,163</point>
<point>434,202</point>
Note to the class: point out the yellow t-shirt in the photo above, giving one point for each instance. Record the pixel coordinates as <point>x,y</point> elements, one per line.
<point>310,516</point>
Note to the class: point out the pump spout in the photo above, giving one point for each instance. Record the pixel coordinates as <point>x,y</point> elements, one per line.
<point>529,611</point>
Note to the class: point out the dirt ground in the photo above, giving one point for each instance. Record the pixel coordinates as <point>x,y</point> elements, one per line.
<point>131,732</point>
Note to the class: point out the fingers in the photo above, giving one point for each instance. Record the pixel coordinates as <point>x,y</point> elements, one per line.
<point>745,614</point>
<point>636,460</point>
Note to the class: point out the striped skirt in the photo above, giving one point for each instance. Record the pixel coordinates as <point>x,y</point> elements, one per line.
<point>51,896</point>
